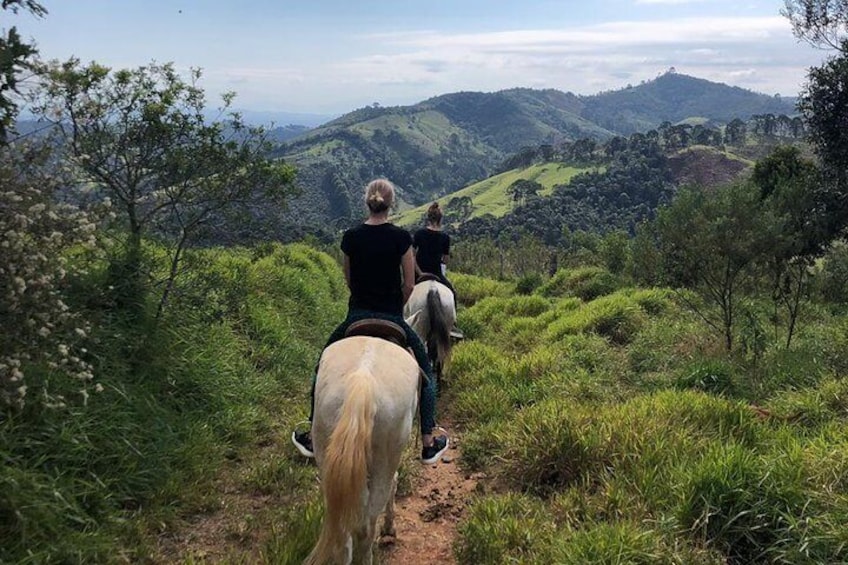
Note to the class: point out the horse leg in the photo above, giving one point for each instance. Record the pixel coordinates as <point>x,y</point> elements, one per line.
<point>388,528</point>
<point>363,542</point>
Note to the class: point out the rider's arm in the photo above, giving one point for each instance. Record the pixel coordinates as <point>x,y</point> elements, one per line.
<point>408,266</point>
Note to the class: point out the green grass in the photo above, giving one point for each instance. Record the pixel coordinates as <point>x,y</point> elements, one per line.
<point>490,196</point>
<point>180,399</point>
<point>611,425</point>
<point>616,427</point>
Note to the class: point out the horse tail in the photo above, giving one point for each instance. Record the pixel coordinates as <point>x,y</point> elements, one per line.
<point>439,327</point>
<point>344,472</point>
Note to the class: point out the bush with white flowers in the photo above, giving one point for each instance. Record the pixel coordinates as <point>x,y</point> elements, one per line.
<point>36,231</point>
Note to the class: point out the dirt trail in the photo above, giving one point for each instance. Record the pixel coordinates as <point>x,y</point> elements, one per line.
<point>230,527</point>
<point>426,520</point>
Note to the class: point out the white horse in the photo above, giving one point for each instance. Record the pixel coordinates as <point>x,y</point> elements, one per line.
<point>431,312</point>
<point>366,397</point>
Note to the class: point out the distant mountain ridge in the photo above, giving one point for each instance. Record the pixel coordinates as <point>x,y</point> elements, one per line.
<point>446,142</point>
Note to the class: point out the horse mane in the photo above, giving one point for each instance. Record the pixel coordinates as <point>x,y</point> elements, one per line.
<point>344,473</point>
<point>439,327</point>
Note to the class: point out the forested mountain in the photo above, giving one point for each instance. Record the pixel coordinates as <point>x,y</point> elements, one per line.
<point>675,97</point>
<point>444,143</point>
<point>551,190</point>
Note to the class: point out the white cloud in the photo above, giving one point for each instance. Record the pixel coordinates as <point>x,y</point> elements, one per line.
<point>405,67</point>
<point>668,1</point>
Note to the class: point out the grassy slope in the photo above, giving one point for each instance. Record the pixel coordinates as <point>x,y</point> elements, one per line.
<point>224,374</point>
<point>618,423</point>
<point>427,131</point>
<point>616,430</point>
<point>490,196</point>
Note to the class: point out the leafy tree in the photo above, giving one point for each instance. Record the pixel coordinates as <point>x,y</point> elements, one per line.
<point>711,243</point>
<point>459,208</point>
<point>614,251</point>
<point>522,189</point>
<point>15,56</point>
<point>734,132</point>
<point>140,137</point>
<point>822,23</point>
<point>787,182</point>
<point>824,105</point>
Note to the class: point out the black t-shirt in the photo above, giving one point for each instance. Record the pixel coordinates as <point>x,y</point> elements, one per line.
<point>430,245</point>
<point>375,254</point>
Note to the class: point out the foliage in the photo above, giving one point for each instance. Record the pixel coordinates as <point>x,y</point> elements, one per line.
<point>40,329</point>
<point>823,23</point>
<point>505,529</point>
<point>586,283</point>
<point>712,243</point>
<point>85,485</point>
<point>503,258</point>
<point>528,283</point>
<point>748,507</point>
<point>15,56</point>
<point>711,376</point>
<point>141,138</point>
<point>470,288</point>
<point>822,104</point>
<point>833,279</point>
<point>615,317</point>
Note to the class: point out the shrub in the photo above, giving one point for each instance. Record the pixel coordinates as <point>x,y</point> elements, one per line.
<point>615,317</point>
<point>470,289</point>
<point>744,504</point>
<point>813,406</point>
<point>490,314</point>
<point>36,234</point>
<point>504,529</point>
<point>586,283</point>
<point>551,445</point>
<point>528,283</point>
<point>711,376</point>
<point>653,301</point>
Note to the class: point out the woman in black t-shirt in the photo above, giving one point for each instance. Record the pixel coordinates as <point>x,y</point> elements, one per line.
<point>432,247</point>
<point>379,268</point>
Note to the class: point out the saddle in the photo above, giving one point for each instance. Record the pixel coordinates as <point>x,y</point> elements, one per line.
<point>376,327</point>
<point>424,277</point>
<point>390,331</point>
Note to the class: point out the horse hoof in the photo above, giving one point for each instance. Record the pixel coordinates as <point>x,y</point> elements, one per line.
<point>387,540</point>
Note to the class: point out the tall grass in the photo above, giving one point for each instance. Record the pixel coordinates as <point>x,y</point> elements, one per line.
<point>616,429</point>
<point>180,398</point>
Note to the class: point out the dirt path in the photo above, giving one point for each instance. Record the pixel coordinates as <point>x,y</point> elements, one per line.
<point>426,520</point>
<point>232,526</point>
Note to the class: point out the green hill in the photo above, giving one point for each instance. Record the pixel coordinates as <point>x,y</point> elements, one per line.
<point>490,196</point>
<point>674,97</point>
<point>440,145</point>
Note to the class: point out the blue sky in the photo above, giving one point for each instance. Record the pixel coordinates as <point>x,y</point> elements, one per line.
<point>331,56</point>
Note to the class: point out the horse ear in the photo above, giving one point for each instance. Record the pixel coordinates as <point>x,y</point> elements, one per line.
<point>414,318</point>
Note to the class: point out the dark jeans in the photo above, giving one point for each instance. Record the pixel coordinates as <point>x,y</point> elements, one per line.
<point>427,401</point>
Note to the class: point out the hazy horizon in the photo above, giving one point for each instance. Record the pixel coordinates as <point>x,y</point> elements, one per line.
<point>329,57</point>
